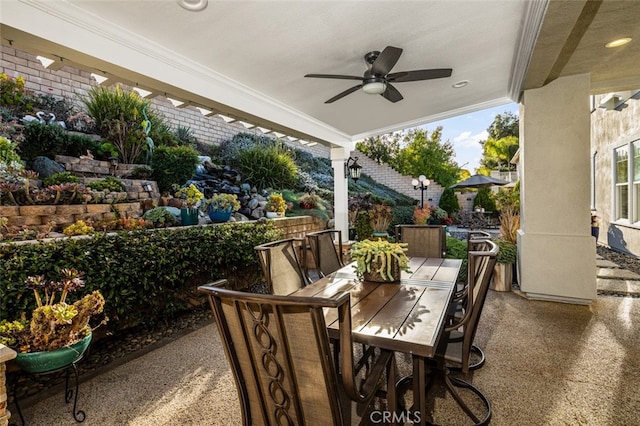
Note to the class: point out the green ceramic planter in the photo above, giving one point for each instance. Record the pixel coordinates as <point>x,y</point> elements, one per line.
<point>41,362</point>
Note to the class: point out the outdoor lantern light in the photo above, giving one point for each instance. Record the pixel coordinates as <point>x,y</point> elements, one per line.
<point>113,161</point>
<point>352,170</point>
<point>147,187</point>
<point>421,183</point>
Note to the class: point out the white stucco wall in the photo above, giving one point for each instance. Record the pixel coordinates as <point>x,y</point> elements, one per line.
<point>611,129</point>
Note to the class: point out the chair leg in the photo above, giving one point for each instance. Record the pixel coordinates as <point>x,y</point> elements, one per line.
<point>452,383</point>
<point>476,365</point>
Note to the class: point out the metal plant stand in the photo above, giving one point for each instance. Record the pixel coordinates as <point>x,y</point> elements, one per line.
<point>69,393</point>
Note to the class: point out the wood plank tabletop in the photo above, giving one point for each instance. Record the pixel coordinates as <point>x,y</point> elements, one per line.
<point>406,317</point>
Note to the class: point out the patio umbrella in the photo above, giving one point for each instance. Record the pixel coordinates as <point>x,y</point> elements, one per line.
<point>479,181</point>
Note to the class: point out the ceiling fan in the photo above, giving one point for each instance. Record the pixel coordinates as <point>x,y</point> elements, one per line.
<point>377,80</point>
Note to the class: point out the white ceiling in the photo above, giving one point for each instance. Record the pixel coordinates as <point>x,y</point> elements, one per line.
<point>249,58</point>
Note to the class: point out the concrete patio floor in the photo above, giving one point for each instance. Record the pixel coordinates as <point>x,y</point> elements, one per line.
<point>547,364</point>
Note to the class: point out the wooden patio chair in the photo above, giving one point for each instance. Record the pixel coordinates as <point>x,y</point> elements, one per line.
<point>278,348</point>
<point>327,257</point>
<point>281,265</point>
<point>423,240</point>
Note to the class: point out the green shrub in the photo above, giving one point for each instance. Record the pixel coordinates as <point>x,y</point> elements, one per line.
<point>60,178</point>
<point>485,200</point>
<point>160,217</point>
<point>42,140</point>
<point>77,145</point>
<point>145,275</point>
<point>268,167</point>
<point>362,226</point>
<point>449,201</point>
<point>508,251</point>
<point>8,154</point>
<point>173,166</point>
<point>110,183</point>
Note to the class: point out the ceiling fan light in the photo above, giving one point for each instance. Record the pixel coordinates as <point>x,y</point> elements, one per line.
<point>375,88</point>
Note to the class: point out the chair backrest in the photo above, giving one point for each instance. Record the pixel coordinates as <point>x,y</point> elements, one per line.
<point>423,240</point>
<point>327,257</point>
<point>281,266</point>
<point>481,266</point>
<point>278,348</point>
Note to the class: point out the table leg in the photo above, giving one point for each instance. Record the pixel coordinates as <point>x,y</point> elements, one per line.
<point>419,388</point>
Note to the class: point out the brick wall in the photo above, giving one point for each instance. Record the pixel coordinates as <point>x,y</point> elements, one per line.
<point>72,83</point>
<point>394,180</point>
<point>6,354</point>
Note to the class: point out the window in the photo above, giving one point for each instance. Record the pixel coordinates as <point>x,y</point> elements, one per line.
<point>622,183</point>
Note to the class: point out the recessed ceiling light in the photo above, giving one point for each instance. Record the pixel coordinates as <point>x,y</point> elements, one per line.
<point>618,42</point>
<point>460,84</point>
<point>193,5</point>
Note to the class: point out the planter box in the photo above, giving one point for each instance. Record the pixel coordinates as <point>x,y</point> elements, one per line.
<point>502,277</point>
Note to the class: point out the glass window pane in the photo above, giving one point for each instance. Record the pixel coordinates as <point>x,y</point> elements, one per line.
<point>636,161</point>
<point>622,201</point>
<point>622,164</point>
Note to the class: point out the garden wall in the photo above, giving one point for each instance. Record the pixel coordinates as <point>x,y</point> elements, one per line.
<point>71,83</point>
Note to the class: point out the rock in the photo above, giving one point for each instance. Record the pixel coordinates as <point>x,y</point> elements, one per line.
<point>46,167</point>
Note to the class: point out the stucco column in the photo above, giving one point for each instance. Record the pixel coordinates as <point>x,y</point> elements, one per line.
<point>340,190</point>
<point>6,354</point>
<point>556,252</point>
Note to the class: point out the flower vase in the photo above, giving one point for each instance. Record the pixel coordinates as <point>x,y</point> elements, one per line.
<point>41,362</point>
<point>189,216</point>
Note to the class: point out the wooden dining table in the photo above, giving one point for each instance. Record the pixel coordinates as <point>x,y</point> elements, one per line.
<point>405,317</point>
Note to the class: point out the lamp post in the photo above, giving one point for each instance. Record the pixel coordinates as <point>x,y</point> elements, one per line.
<point>352,170</point>
<point>421,183</point>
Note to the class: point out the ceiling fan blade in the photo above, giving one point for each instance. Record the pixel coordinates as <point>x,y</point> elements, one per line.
<point>401,77</point>
<point>343,94</point>
<point>386,60</point>
<point>392,94</point>
<point>337,76</point>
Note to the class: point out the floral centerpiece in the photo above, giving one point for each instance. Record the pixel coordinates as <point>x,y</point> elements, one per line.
<point>55,325</point>
<point>379,260</point>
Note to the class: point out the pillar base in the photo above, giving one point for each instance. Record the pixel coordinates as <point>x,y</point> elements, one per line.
<point>560,268</point>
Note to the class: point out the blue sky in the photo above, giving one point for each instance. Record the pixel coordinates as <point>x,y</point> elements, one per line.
<point>466,130</point>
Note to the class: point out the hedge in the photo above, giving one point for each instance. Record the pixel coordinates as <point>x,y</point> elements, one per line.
<point>146,275</point>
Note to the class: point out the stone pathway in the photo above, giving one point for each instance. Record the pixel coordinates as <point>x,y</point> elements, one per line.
<point>611,279</point>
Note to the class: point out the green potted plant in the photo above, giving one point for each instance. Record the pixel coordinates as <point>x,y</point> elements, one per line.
<point>380,218</point>
<point>191,197</point>
<point>220,206</point>
<point>276,206</point>
<point>379,260</point>
<point>58,333</point>
<point>503,272</point>
<point>310,201</point>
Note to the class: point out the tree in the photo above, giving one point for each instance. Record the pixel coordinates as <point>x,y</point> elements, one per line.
<point>504,125</point>
<point>382,149</point>
<point>498,153</point>
<point>449,201</point>
<point>425,154</point>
